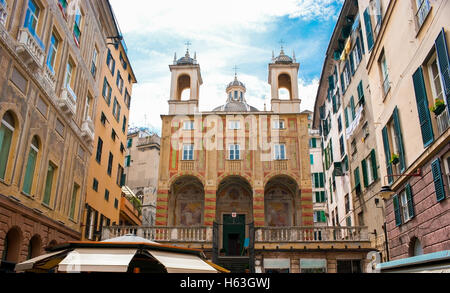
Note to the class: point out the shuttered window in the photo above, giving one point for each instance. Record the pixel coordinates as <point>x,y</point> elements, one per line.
<point>369,32</point>
<point>438,180</point>
<point>387,152</point>
<point>373,160</point>
<point>399,138</point>
<point>422,107</point>
<point>398,216</point>
<point>444,64</point>
<point>364,170</point>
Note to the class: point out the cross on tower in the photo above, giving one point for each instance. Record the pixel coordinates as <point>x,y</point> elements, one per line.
<point>235,68</point>
<point>187,45</point>
<point>281,42</point>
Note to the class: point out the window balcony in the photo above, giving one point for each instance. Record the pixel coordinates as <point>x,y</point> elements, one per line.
<point>280,165</point>
<point>233,165</point>
<point>3,12</point>
<point>30,49</point>
<point>67,102</point>
<point>87,129</point>
<point>422,12</point>
<point>49,76</point>
<point>187,165</point>
<point>443,121</point>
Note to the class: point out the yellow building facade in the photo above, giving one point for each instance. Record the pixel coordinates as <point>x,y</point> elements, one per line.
<point>107,162</point>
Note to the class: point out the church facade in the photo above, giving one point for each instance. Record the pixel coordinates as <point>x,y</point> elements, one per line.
<point>236,181</point>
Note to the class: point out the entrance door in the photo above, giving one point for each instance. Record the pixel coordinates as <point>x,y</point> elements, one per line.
<point>233,234</point>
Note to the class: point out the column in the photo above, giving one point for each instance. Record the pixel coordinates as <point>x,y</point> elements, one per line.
<point>162,207</point>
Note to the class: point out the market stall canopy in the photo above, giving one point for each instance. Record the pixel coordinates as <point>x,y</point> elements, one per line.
<point>182,263</point>
<point>97,260</point>
<point>40,262</point>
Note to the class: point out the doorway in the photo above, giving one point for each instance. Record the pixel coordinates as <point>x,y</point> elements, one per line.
<point>233,234</point>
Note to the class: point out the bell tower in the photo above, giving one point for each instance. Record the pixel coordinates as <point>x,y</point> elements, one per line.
<point>185,76</point>
<point>283,74</point>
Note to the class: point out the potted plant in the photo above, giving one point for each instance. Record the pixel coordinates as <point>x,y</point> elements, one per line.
<point>395,159</point>
<point>439,107</point>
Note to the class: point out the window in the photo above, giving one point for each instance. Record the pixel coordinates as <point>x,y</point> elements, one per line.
<point>95,184</point>
<point>98,156</point>
<point>120,175</point>
<point>339,124</point>
<point>318,180</point>
<point>62,4</point>
<point>49,183</point>
<point>423,8</point>
<point>234,125</point>
<point>313,143</point>
<point>106,194</point>
<point>127,161</point>
<point>358,188</point>
<point>122,148</point>
<point>6,137</point>
<point>68,80</point>
<point>124,124</point>
<point>87,110</point>
<point>31,165</point>
<point>348,221</point>
<point>73,203</point>
<point>393,138</point>
<point>77,27</point>
<point>234,152</point>
<point>278,124</point>
<point>107,90</point>
<point>32,17</point>
<point>347,204</point>
<point>361,219</point>
<point>369,32</point>
<point>110,62</point>
<point>94,62</point>
<point>438,179</point>
<point>341,145</point>
<point>129,143</point>
<point>369,168</point>
<point>110,163</point>
<point>188,125</point>
<point>385,74</point>
<point>349,266</point>
<point>311,158</point>
<point>127,98</point>
<point>116,203</point>
<point>320,197</point>
<point>119,82</point>
<point>320,217</point>
<point>103,119</point>
<point>403,206</point>
<point>52,53</point>
<point>113,135</point>
<point>422,107</point>
<point>188,152</point>
<point>280,152</point>
<point>116,109</point>
<point>122,60</point>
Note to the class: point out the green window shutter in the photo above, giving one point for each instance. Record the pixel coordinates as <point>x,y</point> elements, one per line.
<point>409,196</point>
<point>317,196</point>
<point>322,196</point>
<point>374,164</point>
<point>444,64</point>
<point>357,179</point>
<point>331,82</point>
<point>346,117</point>
<point>387,153</point>
<point>323,218</point>
<point>321,180</point>
<point>437,178</point>
<point>5,144</point>
<point>331,151</point>
<point>369,33</point>
<point>316,180</point>
<point>398,133</point>
<point>331,192</point>
<point>29,173</point>
<point>364,170</point>
<point>48,184</point>
<point>314,143</point>
<point>352,105</point>
<point>398,216</point>
<point>360,91</point>
<point>422,108</point>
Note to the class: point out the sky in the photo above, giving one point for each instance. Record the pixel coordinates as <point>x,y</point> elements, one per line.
<point>224,34</point>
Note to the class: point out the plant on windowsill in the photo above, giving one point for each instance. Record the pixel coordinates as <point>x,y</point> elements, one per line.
<point>395,159</point>
<point>439,107</point>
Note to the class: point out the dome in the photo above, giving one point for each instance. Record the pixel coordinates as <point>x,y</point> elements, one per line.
<point>283,58</point>
<point>186,60</point>
<point>234,83</point>
<point>235,106</point>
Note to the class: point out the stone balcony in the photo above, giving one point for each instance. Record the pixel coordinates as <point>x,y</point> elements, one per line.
<point>30,49</point>
<point>3,12</point>
<point>87,129</point>
<point>265,237</point>
<point>67,102</point>
<point>50,77</point>
<point>233,165</point>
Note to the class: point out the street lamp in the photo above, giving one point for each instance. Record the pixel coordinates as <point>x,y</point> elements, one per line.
<point>386,191</point>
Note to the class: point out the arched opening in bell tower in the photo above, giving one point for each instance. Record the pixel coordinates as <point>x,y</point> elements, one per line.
<point>284,87</point>
<point>184,88</point>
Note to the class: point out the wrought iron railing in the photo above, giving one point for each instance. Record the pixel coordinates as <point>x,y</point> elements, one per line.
<point>443,121</point>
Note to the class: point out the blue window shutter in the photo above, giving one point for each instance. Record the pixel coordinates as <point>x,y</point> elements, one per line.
<point>398,133</point>
<point>361,42</point>
<point>444,64</point>
<point>369,32</point>
<point>398,216</point>
<point>409,196</point>
<point>437,178</point>
<point>422,108</point>
<point>387,152</point>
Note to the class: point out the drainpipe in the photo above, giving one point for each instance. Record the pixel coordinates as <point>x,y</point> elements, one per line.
<point>386,241</point>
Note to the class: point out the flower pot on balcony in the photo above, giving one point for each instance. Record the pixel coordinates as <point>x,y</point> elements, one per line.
<point>395,159</point>
<point>439,109</point>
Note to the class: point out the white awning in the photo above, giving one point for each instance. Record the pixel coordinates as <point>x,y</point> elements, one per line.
<point>97,260</point>
<point>182,263</point>
<point>277,263</point>
<point>29,264</point>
